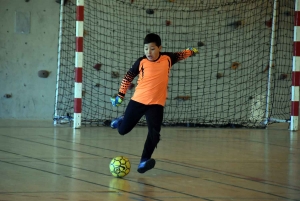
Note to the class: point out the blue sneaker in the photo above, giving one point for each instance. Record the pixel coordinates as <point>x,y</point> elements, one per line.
<point>114,122</point>
<point>146,165</point>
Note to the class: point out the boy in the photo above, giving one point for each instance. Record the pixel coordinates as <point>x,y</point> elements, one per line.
<point>150,94</point>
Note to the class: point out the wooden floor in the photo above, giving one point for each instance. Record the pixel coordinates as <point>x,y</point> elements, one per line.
<point>39,161</point>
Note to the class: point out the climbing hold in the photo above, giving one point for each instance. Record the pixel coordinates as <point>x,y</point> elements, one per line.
<point>267,68</point>
<point>268,23</point>
<point>7,96</point>
<point>235,65</point>
<point>114,74</point>
<point>131,86</point>
<point>168,22</point>
<point>150,11</point>
<point>182,98</point>
<point>237,24</point>
<point>85,33</point>
<point>43,73</point>
<point>200,44</point>
<point>97,66</point>
<point>283,76</point>
<point>287,13</point>
<point>219,75</point>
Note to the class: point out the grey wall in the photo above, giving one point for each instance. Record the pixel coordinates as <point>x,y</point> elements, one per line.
<point>23,55</point>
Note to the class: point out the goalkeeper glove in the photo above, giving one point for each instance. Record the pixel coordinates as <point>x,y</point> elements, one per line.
<point>194,50</point>
<point>116,101</point>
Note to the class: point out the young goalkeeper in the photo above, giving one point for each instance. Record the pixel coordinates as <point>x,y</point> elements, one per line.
<point>150,94</point>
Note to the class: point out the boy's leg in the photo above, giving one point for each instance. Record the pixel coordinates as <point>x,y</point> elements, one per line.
<point>133,114</point>
<point>154,117</point>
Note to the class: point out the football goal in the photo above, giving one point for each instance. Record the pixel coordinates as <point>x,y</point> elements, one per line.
<point>242,76</point>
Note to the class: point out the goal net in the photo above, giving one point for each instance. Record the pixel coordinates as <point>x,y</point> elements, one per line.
<point>229,83</point>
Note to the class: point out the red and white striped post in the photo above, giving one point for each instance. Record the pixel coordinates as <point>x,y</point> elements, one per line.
<point>296,70</point>
<point>78,63</point>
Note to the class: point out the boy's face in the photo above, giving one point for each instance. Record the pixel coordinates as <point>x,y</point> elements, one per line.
<point>152,51</point>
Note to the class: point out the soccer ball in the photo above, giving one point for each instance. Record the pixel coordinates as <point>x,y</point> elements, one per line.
<point>119,166</point>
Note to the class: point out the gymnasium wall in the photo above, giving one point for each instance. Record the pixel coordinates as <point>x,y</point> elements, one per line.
<point>28,44</point>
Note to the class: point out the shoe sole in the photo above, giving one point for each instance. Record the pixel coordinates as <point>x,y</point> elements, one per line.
<point>148,166</point>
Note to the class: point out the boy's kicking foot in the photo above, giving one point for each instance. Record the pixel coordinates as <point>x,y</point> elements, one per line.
<point>146,165</point>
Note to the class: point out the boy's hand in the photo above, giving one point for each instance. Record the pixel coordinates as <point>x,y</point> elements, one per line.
<point>195,51</point>
<point>116,101</point>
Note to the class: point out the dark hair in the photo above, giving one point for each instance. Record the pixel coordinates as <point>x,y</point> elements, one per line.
<point>152,38</point>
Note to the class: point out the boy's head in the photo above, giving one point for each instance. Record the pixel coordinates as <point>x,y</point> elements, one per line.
<point>152,46</point>
<point>152,38</point>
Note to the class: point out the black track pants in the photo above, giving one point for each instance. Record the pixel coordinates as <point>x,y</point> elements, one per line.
<point>154,117</point>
